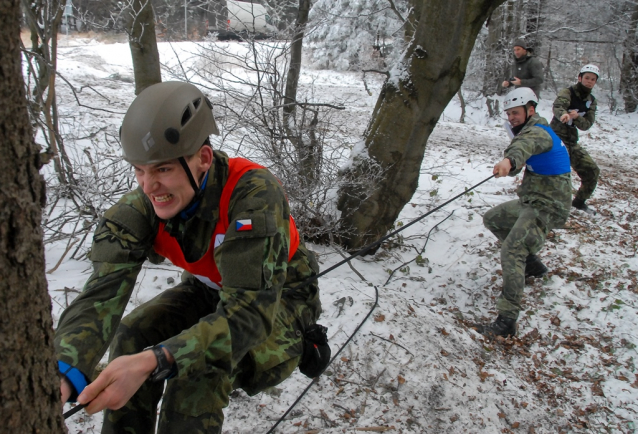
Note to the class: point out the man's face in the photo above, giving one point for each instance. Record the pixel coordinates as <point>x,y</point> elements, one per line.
<point>516,115</point>
<point>167,185</point>
<point>519,52</point>
<point>588,80</point>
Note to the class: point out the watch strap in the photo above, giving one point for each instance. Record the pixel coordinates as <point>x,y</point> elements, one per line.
<point>164,369</point>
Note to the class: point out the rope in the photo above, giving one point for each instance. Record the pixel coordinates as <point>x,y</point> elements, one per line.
<point>316,379</point>
<point>361,252</point>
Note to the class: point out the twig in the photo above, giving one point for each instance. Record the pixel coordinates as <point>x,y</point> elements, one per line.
<point>392,342</point>
<point>68,247</point>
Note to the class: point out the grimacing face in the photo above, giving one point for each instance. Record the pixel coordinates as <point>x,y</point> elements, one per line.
<point>166,184</point>
<point>517,115</point>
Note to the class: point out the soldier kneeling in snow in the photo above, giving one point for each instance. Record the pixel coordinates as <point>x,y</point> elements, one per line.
<point>544,203</point>
<point>234,321</point>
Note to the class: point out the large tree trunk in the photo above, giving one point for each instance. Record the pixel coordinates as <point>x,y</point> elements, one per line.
<point>410,104</point>
<point>29,385</point>
<point>140,25</point>
<point>629,68</point>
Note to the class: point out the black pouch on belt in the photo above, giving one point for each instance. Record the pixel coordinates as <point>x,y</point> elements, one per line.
<point>316,351</point>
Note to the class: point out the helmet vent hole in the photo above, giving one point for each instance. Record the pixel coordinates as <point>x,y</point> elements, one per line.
<point>197,102</point>
<point>171,135</point>
<point>186,116</point>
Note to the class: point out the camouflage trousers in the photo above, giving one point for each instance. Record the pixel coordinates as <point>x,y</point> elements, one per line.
<point>522,230</point>
<point>586,169</point>
<point>194,405</point>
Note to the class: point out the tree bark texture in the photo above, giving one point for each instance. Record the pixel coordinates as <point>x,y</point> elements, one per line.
<point>141,36</point>
<point>629,67</point>
<point>29,385</point>
<point>411,101</point>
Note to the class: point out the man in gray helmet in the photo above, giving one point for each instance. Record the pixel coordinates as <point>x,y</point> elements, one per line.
<point>234,321</point>
<point>527,70</point>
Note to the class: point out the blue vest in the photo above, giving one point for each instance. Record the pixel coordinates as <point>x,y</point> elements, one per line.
<point>553,162</point>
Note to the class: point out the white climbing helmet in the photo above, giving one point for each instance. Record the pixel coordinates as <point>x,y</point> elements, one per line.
<point>519,97</point>
<point>590,68</point>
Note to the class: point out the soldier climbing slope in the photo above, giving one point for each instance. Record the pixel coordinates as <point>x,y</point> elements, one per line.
<point>575,109</point>
<point>232,322</point>
<point>543,204</point>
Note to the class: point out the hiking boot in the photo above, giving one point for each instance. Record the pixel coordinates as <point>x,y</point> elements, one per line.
<point>501,327</point>
<point>581,205</point>
<point>534,267</point>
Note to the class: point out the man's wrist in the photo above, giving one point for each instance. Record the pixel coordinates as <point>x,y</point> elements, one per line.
<point>165,367</point>
<point>512,163</point>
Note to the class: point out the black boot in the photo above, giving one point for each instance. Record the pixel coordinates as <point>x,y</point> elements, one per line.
<point>581,205</point>
<point>534,267</point>
<point>501,327</point>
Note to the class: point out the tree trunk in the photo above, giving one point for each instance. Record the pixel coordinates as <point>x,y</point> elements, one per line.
<point>29,385</point>
<point>408,108</point>
<point>140,27</point>
<point>629,67</point>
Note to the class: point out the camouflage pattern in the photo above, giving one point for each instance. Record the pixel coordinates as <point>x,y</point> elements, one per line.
<point>530,71</point>
<point>522,225</point>
<point>580,159</point>
<point>248,335</point>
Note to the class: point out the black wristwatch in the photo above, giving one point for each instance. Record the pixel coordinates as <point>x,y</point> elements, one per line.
<point>512,163</point>
<point>164,369</point>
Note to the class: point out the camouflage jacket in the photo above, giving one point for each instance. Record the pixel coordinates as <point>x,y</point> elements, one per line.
<point>551,194</point>
<point>255,273</point>
<point>563,102</point>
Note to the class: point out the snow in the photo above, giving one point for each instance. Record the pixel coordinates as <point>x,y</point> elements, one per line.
<point>415,365</point>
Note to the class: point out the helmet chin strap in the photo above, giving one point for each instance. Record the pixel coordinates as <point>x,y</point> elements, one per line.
<point>187,169</point>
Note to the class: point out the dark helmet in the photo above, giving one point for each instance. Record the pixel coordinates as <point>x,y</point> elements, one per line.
<point>166,121</point>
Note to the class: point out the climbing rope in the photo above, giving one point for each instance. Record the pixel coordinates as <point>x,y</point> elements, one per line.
<point>359,253</point>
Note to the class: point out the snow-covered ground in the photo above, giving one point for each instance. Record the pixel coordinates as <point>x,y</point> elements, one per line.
<point>415,365</point>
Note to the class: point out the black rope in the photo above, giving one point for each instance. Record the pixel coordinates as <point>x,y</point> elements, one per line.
<point>361,252</point>
<point>369,247</point>
<point>73,410</point>
<point>316,379</point>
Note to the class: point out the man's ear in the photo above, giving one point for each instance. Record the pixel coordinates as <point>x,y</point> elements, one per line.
<point>205,158</point>
<point>531,111</point>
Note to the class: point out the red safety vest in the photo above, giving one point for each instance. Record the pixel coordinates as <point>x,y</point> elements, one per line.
<point>205,269</point>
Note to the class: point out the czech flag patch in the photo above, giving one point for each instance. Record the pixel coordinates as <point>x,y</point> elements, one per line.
<point>244,225</point>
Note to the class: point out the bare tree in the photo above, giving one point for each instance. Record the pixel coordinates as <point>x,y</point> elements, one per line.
<point>140,27</point>
<point>629,68</point>
<point>43,19</point>
<point>410,104</point>
<point>29,385</point>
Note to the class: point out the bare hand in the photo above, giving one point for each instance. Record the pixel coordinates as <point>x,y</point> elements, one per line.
<point>572,114</point>
<point>118,382</point>
<point>516,81</point>
<point>502,168</point>
<point>66,390</point>
<point>506,84</point>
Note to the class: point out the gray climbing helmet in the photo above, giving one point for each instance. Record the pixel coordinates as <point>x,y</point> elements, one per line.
<point>166,121</point>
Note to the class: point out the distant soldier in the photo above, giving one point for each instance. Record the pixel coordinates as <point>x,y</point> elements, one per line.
<point>543,204</point>
<point>575,109</point>
<point>527,70</point>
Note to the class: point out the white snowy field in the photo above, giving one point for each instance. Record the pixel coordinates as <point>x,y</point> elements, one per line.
<point>415,365</point>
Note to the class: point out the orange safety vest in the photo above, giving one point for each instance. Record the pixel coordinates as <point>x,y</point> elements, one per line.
<point>205,269</point>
